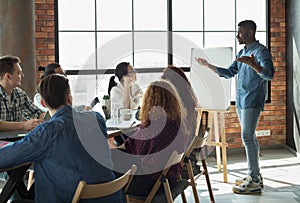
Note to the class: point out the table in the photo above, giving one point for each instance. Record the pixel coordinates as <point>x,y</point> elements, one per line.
<point>121,127</point>
<point>15,182</point>
<point>12,135</point>
<point>15,174</point>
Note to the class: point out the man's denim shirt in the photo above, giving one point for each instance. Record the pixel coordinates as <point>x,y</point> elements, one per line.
<point>70,147</point>
<point>251,86</point>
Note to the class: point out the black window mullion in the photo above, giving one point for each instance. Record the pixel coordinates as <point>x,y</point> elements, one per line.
<point>56,35</point>
<point>96,44</point>
<point>132,32</point>
<point>170,32</point>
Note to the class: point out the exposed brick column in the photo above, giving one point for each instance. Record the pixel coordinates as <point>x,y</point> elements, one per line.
<point>17,37</point>
<point>45,33</point>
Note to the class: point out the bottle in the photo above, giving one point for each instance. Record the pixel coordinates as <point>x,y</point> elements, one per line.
<point>106,106</point>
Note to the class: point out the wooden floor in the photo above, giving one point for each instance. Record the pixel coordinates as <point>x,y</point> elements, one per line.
<point>280,170</point>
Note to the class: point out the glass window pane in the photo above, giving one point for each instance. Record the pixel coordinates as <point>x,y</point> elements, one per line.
<point>258,12</point>
<point>183,42</point>
<point>150,49</point>
<point>220,39</point>
<point>262,37</point>
<point>83,89</point>
<point>150,15</point>
<point>219,15</point>
<point>76,50</point>
<point>113,47</point>
<point>114,15</point>
<point>102,85</point>
<point>187,16</point>
<point>144,79</point>
<point>76,15</point>
<point>86,87</point>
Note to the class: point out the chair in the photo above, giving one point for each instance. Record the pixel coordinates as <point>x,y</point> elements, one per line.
<point>197,142</point>
<point>90,191</point>
<point>168,195</point>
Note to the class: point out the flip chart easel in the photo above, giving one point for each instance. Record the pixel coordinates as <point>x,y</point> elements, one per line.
<point>216,121</point>
<point>213,94</point>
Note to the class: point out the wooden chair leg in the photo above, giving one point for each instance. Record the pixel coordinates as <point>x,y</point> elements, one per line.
<point>30,179</point>
<point>168,191</point>
<point>211,195</point>
<point>183,197</point>
<point>193,183</point>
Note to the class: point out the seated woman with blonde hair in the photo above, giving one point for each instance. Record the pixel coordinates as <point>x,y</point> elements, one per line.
<point>183,86</point>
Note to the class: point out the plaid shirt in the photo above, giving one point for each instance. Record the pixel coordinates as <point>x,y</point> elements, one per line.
<point>20,107</point>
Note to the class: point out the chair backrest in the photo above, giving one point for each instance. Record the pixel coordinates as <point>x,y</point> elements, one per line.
<point>175,158</point>
<point>89,191</point>
<point>200,141</point>
<point>197,142</point>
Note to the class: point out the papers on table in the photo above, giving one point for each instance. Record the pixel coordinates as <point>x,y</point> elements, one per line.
<point>120,125</point>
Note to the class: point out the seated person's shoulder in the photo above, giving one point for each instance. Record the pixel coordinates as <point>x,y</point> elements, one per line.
<point>37,101</point>
<point>19,91</point>
<point>86,114</point>
<point>115,90</point>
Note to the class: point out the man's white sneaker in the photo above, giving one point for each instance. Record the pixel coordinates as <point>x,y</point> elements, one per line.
<point>247,187</point>
<point>241,180</point>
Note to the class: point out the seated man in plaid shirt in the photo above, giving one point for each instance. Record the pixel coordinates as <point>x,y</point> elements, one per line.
<point>17,111</point>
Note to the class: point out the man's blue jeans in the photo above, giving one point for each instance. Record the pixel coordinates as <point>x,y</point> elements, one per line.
<point>248,120</point>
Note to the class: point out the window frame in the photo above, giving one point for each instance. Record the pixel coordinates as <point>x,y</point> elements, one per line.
<point>170,44</point>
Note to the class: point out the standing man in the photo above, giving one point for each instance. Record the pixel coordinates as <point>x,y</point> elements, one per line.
<point>17,111</point>
<point>254,67</point>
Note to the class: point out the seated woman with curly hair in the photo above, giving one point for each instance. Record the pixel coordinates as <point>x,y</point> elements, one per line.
<point>163,130</point>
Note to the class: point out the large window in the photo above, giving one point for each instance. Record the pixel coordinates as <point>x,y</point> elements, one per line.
<point>95,35</point>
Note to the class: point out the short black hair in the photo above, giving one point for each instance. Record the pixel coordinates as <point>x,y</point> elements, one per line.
<point>121,70</point>
<point>41,68</point>
<point>250,24</point>
<point>50,69</point>
<point>53,89</point>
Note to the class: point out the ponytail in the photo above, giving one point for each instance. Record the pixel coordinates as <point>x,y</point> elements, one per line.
<point>120,71</point>
<point>111,84</point>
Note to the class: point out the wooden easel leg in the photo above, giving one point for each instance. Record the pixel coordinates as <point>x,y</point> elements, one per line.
<point>217,140</point>
<point>224,146</point>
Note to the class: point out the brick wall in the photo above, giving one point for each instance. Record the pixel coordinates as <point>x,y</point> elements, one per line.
<point>274,116</point>
<point>45,43</point>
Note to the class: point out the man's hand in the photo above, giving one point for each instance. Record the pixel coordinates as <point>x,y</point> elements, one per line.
<point>204,62</point>
<point>250,61</point>
<point>31,124</point>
